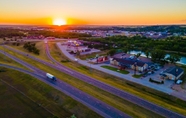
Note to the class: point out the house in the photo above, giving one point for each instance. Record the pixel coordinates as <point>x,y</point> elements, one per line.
<point>174,73</point>
<point>129,63</point>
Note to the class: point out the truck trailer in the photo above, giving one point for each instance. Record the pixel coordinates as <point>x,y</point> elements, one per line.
<point>48,75</point>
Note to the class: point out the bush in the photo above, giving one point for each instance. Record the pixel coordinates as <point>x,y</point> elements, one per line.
<point>31,48</point>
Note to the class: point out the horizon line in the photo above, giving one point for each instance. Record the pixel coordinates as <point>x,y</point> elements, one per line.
<point>92,24</point>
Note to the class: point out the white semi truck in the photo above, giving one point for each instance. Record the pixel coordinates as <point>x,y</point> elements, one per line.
<point>48,75</point>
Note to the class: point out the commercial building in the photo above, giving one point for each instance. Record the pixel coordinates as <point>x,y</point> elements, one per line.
<point>173,73</point>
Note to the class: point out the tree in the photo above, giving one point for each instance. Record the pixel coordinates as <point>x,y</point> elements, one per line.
<point>25,45</point>
<point>36,52</point>
<point>138,55</point>
<point>112,52</point>
<point>158,55</point>
<point>73,116</point>
<point>147,53</point>
<point>31,48</point>
<point>173,58</point>
<point>125,50</point>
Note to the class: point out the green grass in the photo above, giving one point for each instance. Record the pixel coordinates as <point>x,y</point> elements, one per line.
<point>5,60</point>
<point>106,97</point>
<point>39,45</point>
<point>93,55</point>
<point>137,76</point>
<point>157,97</point>
<point>116,69</point>
<point>15,104</point>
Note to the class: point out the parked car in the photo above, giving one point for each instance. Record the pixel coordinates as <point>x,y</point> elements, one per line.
<point>179,81</point>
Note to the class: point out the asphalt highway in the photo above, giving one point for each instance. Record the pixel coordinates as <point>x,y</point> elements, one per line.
<point>122,94</point>
<point>96,105</point>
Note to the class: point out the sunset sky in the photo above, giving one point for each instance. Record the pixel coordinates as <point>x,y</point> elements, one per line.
<point>93,12</point>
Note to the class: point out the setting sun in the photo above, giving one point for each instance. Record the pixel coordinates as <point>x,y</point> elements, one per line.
<point>59,22</point>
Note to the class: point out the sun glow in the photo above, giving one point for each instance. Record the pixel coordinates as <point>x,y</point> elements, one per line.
<point>59,22</point>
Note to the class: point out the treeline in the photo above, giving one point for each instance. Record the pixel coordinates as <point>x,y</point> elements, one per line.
<point>57,34</point>
<point>170,29</point>
<point>157,28</point>
<point>6,32</point>
<point>154,48</point>
<point>31,48</point>
<point>177,44</point>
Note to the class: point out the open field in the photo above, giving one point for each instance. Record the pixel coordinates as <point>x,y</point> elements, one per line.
<point>110,99</point>
<point>39,45</point>
<point>13,103</point>
<point>162,99</point>
<point>116,69</point>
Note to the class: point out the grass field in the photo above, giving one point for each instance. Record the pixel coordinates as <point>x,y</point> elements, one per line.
<point>116,69</point>
<point>14,104</point>
<point>152,95</point>
<point>5,60</point>
<point>39,45</point>
<point>110,99</point>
